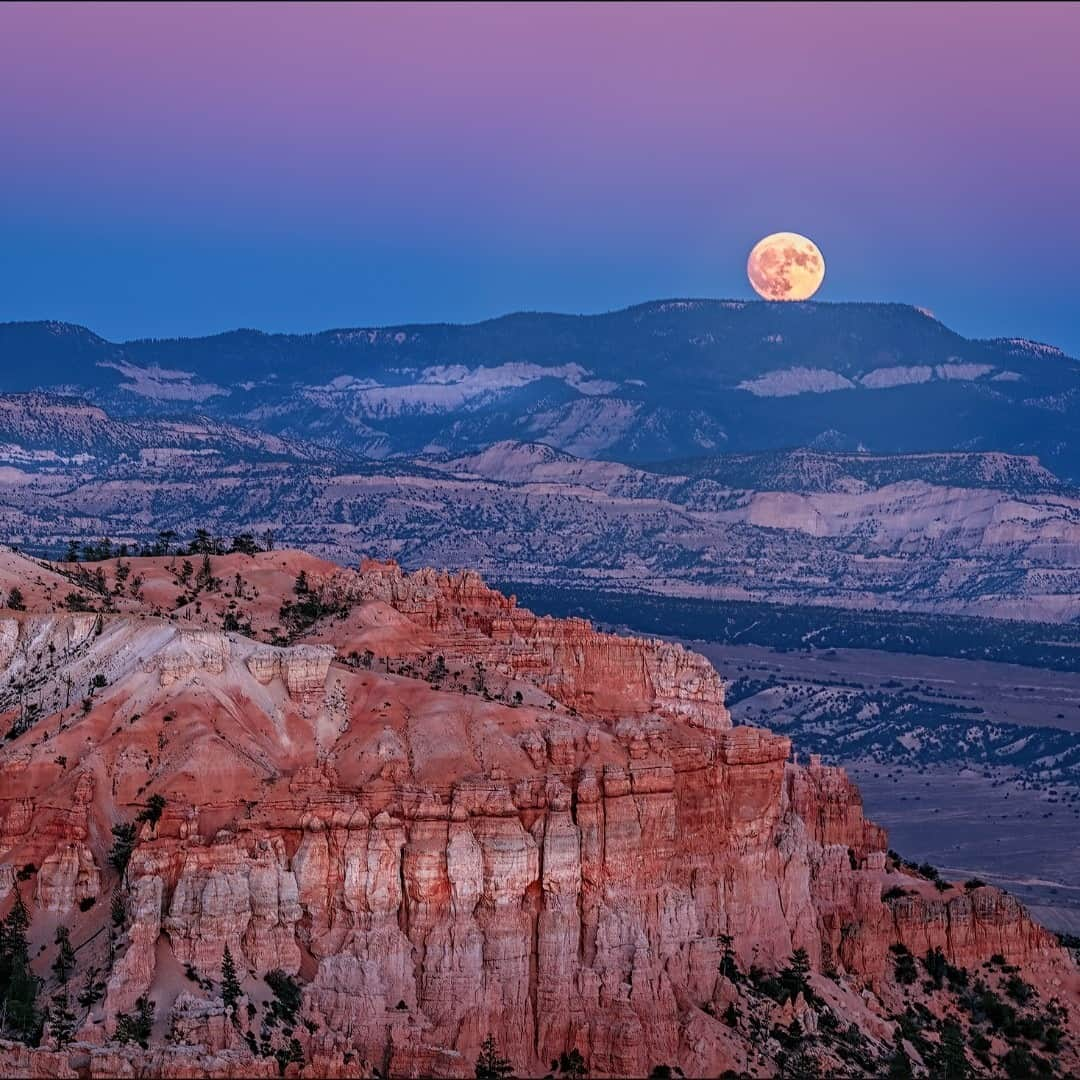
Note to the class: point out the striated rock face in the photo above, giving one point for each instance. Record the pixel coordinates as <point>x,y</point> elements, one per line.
<point>67,877</point>
<point>831,807</point>
<point>225,894</point>
<point>595,673</point>
<point>302,668</point>
<point>192,651</point>
<point>564,869</point>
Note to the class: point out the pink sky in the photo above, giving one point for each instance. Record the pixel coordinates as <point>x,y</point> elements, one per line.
<point>414,161</point>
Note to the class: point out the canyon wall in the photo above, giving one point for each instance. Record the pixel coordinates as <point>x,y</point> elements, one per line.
<point>568,855</point>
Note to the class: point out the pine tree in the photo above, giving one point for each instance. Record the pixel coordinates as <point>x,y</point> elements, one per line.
<point>20,1004</point>
<point>137,1026</point>
<point>230,984</point>
<point>61,1019</point>
<point>800,963</point>
<point>936,965</point>
<point>729,965</point>
<point>569,1066</point>
<point>123,846</point>
<point>296,1052</point>
<point>793,977</point>
<point>18,920</point>
<point>118,909</point>
<point>18,983</point>
<point>900,1063</point>
<point>204,579</point>
<point>489,1065</point>
<point>153,810</point>
<point>950,1061</point>
<point>65,954</point>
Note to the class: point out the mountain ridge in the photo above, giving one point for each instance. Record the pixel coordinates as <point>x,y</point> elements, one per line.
<point>659,380</point>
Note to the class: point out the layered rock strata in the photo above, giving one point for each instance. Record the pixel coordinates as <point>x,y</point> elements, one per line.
<point>565,869</point>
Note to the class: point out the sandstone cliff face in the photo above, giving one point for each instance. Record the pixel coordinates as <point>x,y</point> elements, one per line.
<point>565,871</point>
<point>302,669</point>
<point>600,674</point>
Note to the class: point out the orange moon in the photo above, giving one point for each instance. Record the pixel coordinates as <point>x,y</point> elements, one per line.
<point>786,266</point>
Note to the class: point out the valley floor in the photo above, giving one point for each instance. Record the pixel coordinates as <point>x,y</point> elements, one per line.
<point>967,828</point>
<point>969,818</point>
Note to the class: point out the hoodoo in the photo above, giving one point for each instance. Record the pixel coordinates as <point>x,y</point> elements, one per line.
<point>398,814</point>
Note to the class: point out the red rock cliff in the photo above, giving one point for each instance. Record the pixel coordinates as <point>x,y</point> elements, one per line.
<point>559,854</point>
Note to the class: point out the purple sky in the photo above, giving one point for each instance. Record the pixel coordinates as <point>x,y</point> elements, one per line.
<point>185,169</point>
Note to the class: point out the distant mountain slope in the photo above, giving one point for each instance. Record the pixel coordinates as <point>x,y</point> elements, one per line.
<point>40,428</point>
<point>963,533</point>
<point>660,381</point>
<point>813,470</point>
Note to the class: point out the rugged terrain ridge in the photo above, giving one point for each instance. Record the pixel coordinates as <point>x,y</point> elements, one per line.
<point>441,816</point>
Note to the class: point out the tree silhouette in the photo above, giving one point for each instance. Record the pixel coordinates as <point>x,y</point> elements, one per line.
<point>153,810</point>
<point>793,977</point>
<point>950,1061</point>
<point>61,1019</point>
<point>569,1066</point>
<point>489,1065</point>
<point>729,965</point>
<point>65,954</point>
<point>123,846</point>
<point>230,984</point>
<point>137,1026</point>
<point>900,1063</point>
<point>18,983</point>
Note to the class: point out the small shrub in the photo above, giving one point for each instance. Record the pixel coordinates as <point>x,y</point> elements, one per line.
<point>155,806</point>
<point>1018,990</point>
<point>904,965</point>
<point>136,1026</point>
<point>287,995</point>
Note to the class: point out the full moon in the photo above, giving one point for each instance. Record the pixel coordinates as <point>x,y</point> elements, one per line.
<point>786,266</point>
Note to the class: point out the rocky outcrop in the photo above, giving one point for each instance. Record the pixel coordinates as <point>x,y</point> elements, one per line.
<point>302,668</point>
<point>831,806</point>
<point>224,894</point>
<point>594,673</point>
<point>570,869</point>
<point>579,910</point>
<point>67,877</point>
<point>190,652</point>
<point>971,926</point>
